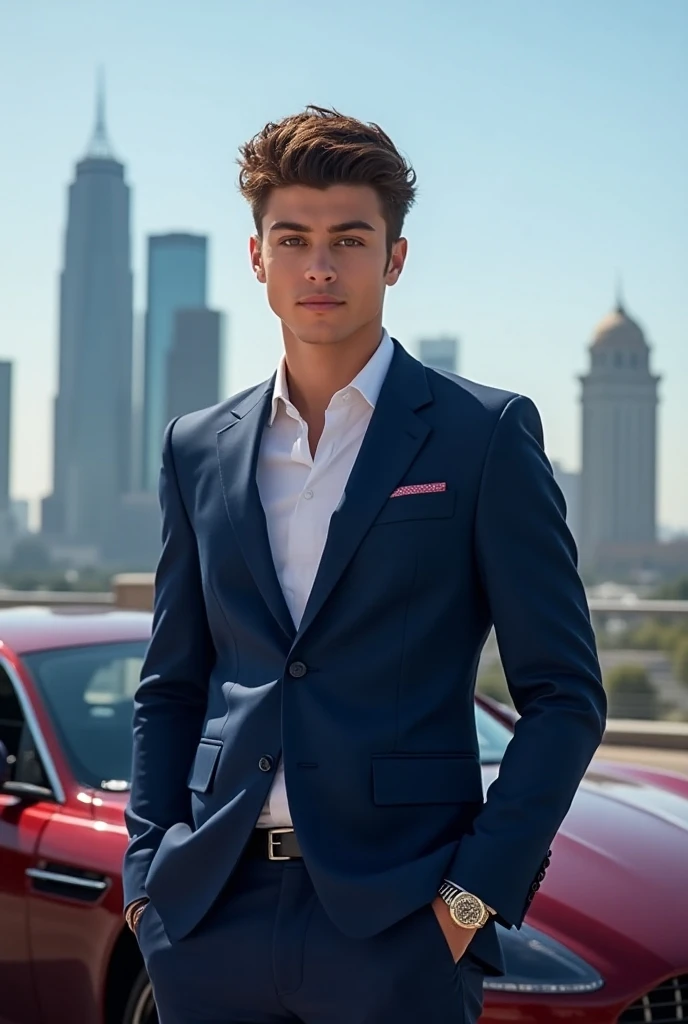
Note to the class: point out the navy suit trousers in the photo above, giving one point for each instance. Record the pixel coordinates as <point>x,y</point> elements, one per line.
<point>268,954</point>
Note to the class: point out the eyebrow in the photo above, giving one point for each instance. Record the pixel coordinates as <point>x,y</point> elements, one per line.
<point>335,229</point>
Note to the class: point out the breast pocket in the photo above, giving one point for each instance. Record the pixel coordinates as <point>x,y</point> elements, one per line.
<point>439,505</point>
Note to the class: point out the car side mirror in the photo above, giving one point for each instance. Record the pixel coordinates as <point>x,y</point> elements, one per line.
<point>4,765</point>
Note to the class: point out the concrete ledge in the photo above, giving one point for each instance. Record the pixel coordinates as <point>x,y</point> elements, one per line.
<point>631,732</point>
<point>134,590</point>
<point>53,598</point>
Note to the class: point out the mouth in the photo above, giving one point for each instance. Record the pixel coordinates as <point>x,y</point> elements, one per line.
<point>320,303</point>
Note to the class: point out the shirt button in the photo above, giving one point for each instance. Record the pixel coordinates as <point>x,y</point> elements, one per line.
<point>297,670</point>
<point>308,494</point>
<point>265,763</point>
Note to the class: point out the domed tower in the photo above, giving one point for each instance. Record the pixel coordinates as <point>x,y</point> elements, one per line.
<point>619,444</point>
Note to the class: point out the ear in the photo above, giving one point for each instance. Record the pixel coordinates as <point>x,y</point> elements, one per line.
<point>255,252</point>
<point>396,261</point>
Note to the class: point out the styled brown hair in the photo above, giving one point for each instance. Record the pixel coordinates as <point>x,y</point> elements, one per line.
<point>319,148</point>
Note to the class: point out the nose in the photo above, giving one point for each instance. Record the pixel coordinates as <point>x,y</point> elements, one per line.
<point>320,269</point>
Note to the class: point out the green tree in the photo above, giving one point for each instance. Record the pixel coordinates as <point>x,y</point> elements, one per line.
<point>492,682</point>
<point>631,693</point>
<point>655,635</point>
<point>650,635</point>
<point>677,590</point>
<point>681,661</point>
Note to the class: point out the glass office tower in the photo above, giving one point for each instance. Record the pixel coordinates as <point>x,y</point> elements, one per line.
<point>177,279</point>
<point>440,353</point>
<point>92,412</point>
<point>5,433</point>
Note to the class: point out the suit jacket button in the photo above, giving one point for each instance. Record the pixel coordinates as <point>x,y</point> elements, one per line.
<point>265,763</point>
<point>297,669</point>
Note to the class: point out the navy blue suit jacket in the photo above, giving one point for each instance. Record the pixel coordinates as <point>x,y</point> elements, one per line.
<point>376,722</point>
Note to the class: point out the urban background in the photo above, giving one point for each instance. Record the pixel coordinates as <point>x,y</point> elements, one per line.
<point>549,255</point>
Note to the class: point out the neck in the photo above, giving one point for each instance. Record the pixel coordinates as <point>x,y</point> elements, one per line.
<point>315,372</point>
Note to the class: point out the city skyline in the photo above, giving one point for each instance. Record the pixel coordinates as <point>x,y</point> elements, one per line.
<point>521,264</point>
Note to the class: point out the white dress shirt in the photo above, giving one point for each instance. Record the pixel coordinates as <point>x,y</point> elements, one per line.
<point>299,493</point>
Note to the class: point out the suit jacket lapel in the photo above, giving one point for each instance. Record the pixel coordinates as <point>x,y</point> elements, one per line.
<point>238,446</point>
<point>394,438</point>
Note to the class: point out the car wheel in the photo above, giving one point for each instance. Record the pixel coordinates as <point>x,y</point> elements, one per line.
<point>140,1008</point>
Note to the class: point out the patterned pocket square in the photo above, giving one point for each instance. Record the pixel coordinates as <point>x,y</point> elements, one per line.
<point>435,488</point>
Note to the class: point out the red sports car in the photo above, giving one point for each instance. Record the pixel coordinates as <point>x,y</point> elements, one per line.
<point>606,939</point>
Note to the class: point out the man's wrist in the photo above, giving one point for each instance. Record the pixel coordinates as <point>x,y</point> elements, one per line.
<point>134,911</point>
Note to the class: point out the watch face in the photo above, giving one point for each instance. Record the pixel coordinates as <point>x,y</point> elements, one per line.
<point>467,910</point>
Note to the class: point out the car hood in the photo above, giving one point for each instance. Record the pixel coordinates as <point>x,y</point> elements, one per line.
<point>617,879</point>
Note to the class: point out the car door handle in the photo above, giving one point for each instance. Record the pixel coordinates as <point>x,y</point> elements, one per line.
<point>63,883</point>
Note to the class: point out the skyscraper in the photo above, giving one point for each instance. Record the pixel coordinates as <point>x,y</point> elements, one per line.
<point>194,363</point>
<point>177,279</point>
<point>92,414</point>
<point>440,353</point>
<point>619,443</point>
<point>5,434</point>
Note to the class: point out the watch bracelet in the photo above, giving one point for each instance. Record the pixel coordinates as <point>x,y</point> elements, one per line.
<point>449,890</point>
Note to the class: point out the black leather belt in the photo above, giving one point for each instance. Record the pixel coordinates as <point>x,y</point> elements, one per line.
<point>273,844</point>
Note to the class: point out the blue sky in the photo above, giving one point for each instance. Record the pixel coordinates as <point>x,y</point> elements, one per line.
<point>550,142</point>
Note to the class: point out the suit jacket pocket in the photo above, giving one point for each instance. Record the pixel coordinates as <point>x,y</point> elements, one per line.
<point>426,779</point>
<point>205,765</point>
<point>439,505</point>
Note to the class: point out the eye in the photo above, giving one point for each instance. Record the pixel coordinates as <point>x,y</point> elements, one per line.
<point>349,243</point>
<point>292,243</point>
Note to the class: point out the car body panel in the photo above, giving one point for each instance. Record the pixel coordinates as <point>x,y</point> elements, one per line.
<point>20,832</point>
<point>73,936</point>
<point>615,892</point>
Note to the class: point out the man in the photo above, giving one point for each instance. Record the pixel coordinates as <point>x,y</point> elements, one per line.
<point>309,838</point>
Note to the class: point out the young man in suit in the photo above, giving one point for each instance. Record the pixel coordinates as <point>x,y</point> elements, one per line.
<point>309,836</point>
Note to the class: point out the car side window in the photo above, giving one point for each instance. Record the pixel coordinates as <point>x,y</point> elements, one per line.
<point>24,762</point>
<point>11,719</point>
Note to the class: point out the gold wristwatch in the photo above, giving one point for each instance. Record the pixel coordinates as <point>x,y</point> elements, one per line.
<point>465,909</point>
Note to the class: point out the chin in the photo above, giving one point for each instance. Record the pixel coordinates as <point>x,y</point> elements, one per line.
<point>319,333</point>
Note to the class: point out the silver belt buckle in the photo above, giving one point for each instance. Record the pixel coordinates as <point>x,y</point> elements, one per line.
<point>271,842</point>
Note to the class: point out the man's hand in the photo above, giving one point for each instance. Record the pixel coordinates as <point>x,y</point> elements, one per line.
<point>458,939</point>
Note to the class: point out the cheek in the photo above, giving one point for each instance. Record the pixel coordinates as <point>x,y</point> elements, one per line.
<point>368,283</point>
<point>279,280</point>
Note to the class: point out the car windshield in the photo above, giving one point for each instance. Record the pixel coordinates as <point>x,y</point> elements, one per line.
<point>89,691</point>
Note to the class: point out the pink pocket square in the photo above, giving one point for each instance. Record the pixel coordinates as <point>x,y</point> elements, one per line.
<point>436,488</point>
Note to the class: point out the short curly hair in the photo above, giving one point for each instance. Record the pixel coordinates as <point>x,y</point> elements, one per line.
<point>319,148</point>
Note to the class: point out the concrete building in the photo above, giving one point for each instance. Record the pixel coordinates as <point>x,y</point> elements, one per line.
<point>619,440</point>
<point>5,433</point>
<point>440,353</point>
<point>177,279</point>
<point>137,540</point>
<point>195,361</point>
<point>92,413</point>
<point>569,483</point>
<point>7,528</point>
<point>20,512</point>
